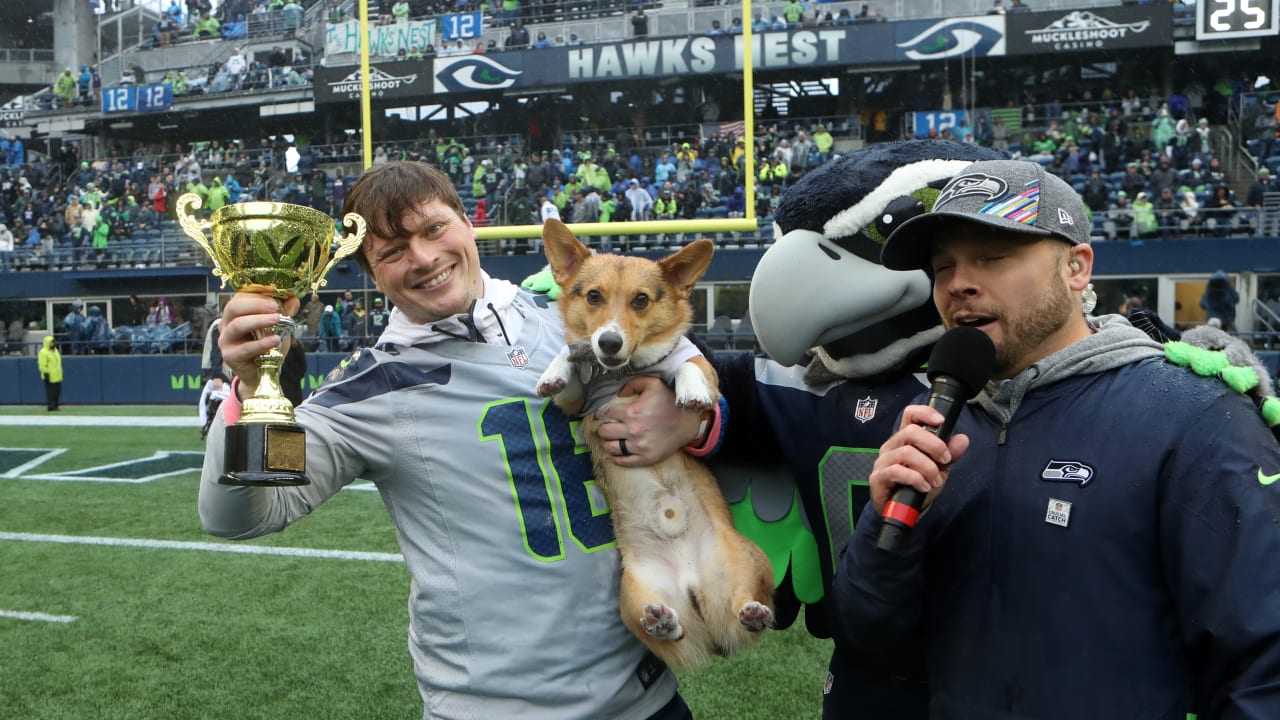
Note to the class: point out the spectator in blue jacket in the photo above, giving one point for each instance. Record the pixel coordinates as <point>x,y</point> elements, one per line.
<point>1099,536</point>
<point>73,328</point>
<point>330,330</point>
<point>233,188</point>
<point>97,333</point>
<point>1219,301</point>
<point>85,81</point>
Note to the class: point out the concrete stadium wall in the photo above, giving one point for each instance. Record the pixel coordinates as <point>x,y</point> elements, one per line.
<point>170,379</point>
<point>127,379</point>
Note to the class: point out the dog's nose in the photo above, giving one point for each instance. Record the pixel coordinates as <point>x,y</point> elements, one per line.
<point>610,343</point>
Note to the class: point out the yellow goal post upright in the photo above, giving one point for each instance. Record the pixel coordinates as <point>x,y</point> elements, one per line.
<point>646,227</point>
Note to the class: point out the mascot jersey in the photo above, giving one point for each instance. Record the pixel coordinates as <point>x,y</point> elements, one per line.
<point>513,566</point>
<point>794,465</point>
<point>827,435</point>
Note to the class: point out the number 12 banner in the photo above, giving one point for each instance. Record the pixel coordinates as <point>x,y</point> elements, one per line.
<point>134,98</point>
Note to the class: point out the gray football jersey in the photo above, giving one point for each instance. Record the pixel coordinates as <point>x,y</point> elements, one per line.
<point>513,605</point>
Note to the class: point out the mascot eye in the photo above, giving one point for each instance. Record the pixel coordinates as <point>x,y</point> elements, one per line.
<point>860,244</point>
<point>640,301</point>
<point>897,212</point>
<point>594,297</point>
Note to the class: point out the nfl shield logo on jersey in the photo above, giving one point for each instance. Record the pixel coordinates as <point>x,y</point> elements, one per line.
<point>517,357</point>
<point>866,409</point>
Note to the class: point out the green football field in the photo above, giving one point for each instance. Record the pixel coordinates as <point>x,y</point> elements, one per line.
<point>115,604</point>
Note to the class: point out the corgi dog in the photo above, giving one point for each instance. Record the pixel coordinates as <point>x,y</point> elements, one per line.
<point>692,586</point>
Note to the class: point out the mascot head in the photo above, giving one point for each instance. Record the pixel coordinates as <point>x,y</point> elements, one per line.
<point>821,286</point>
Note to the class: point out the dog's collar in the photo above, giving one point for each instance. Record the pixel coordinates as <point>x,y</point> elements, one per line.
<point>581,352</point>
<point>584,353</point>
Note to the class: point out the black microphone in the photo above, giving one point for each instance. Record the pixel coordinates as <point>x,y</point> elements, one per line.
<point>959,366</point>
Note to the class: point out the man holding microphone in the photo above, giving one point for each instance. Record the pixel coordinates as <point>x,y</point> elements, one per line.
<point>1099,536</point>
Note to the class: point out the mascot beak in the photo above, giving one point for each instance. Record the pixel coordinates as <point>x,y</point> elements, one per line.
<point>804,294</point>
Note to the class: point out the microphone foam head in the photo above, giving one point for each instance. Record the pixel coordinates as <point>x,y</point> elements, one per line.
<point>965,354</point>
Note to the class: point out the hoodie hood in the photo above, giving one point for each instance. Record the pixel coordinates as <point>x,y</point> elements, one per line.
<point>1113,343</point>
<point>48,342</point>
<point>493,318</point>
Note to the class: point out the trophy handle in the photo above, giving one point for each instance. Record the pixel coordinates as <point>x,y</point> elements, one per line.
<point>195,229</point>
<point>347,245</point>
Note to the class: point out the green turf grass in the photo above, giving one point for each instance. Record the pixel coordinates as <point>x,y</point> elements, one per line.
<point>166,634</point>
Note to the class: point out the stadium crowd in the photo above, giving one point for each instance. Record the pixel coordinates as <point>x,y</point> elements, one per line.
<point>1147,168</point>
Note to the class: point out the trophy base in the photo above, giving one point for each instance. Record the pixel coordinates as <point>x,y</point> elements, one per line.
<point>265,455</point>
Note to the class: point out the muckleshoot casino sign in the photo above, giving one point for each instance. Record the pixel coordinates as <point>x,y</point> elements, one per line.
<point>1122,28</point>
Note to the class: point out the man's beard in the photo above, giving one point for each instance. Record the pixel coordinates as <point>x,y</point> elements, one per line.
<point>1031,324</point>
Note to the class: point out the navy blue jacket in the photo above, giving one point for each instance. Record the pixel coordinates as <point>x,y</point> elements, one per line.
<point>1114,552</point>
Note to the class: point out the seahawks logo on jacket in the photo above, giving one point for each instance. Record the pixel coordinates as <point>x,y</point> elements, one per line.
<point>1070,471</point>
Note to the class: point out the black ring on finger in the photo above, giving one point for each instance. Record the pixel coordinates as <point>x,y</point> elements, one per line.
<point>622,447</point>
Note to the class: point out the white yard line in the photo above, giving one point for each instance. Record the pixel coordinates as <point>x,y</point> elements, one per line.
<point>57,420</point>
<point>204,547</point>
<point>37,617</point>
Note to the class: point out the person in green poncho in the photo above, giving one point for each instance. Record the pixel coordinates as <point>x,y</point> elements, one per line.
<point>216,196</point>
<point>64,89</point>
<point>50,363</point>
<point>101,233</point>
<point>208,28</point>
<point>1144,215</point>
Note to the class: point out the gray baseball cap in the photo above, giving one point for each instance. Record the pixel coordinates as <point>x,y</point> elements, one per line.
<point>1014,195</point>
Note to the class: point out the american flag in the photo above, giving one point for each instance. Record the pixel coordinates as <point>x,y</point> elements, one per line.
<point>735,129</point>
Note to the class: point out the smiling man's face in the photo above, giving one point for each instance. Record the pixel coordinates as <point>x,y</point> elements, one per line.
<point>432,271</point>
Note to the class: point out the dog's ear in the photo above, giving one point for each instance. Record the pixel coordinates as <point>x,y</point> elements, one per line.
<point>565,253</point>
<point>682,269</point>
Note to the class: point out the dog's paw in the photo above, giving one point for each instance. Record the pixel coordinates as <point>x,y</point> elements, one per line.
<point>693,392</point>
<point>661,622</point>
<point>755,616</point>
<point>697,404</point>
<point>548,387</point>
<point>555,378</point>
<point>694,397</point>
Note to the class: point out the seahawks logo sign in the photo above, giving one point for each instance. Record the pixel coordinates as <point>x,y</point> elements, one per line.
<point>972,36</point>
<point>473,72</point>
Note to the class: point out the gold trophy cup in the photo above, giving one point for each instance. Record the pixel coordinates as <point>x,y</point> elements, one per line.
<point>281,250</point>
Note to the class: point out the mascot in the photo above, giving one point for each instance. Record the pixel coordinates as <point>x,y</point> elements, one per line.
<point>846,339</point>
<point>802,439</point>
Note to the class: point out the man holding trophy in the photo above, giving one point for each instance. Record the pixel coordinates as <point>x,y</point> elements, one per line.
<point>513,599</point>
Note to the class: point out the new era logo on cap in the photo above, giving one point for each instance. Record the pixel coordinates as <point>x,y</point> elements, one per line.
<point>1012,195</point>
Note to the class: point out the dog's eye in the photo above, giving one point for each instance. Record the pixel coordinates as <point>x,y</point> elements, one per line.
<point>594,297</point>
<point>640,301</point>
